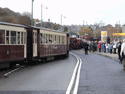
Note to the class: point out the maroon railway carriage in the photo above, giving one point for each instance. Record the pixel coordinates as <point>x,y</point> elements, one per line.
<point>48,43</point>
<point>20,42</point>
<point>75,43</point>
<point>12,43</point>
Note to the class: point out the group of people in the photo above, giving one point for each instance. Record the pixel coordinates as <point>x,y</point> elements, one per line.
<point>89,46</point>
<point>122,53</point>
<point>121,50</point>
<point>107,47</point>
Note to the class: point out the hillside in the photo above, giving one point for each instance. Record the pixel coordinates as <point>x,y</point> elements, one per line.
<point>7,13</point>
<point>12,13</point>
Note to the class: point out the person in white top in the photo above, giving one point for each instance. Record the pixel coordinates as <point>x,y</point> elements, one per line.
<point>123,53</point>
<point>107,48</point>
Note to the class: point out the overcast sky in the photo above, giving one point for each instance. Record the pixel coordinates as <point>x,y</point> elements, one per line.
<point>76,11</point>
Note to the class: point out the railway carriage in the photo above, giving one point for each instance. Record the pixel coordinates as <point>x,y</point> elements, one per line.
<point>52,43</point>
<point>26,43</point>
<point>12,43</point>
<point>75,43</point>
<point>47,43</point>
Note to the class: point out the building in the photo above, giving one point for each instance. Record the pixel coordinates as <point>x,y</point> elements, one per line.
<point>123,28</point>
<point>74,35</point>
<point>109,26</point>
<point>117,26</point>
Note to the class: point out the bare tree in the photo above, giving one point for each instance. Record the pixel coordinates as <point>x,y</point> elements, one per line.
<point>24,19</point>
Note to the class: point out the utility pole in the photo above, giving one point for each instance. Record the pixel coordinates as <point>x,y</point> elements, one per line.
<point>41,16</point>
<point>119,24</point>
<point>61,21</point>
<point>42,13</point>
<point>32,14</point>
<point>83,23</point>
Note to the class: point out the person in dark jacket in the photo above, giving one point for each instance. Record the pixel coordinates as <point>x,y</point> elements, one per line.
<point>119,50</point>
<point>93,46</point>
<point>90,47</point>
<point>84,45</point>
<point>110,48</point>
<point>86,48</point>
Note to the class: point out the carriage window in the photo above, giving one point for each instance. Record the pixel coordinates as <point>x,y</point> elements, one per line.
<point>2,37</point>
<point>21,37</point>
<point>7,37</point>
<point>66,39</point>
<point>41,38</point>
<point>13,37</point>
<point>62,39</point>
<point>55,37</point>
<point>18,37</point>
<point>51,39</point>
<point>46,38</point>
<point>35,37</point>
<point>59,39</point>
<point>24,37</point>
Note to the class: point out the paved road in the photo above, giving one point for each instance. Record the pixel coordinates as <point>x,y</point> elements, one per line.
<point>113,56</point>
<point>47,78</point>
<point>100,75</point>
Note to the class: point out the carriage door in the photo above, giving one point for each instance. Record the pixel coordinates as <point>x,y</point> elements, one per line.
<point>34,43</point>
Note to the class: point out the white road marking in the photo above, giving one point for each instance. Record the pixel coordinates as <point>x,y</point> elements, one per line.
<point>79,62</point>
<point>77,79</point>
<point>13,71</point>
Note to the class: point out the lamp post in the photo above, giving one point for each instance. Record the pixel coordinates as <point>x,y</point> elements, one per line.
<point>41,13</point>
<point>32,14</point>
<point>61,20</point>
<point>87,24</point>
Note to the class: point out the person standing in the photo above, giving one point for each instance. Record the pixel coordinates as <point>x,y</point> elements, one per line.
<point>110,48</point>
<point>122,53</point>
<point>107,47</point>
<point>99,47</point>
<point>119,50</point>
<point>104,47</point>
<point>114,47</point>
<point>86,48</point>
<point>90,47</point>
<point>93,46</point>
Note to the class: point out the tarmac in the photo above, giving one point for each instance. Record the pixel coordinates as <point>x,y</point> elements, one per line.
<point>113,56</point>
